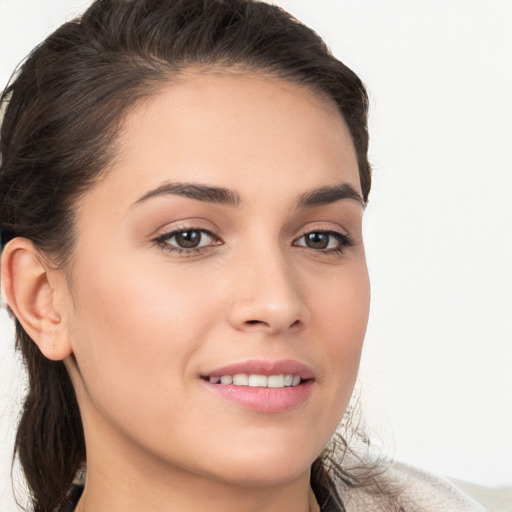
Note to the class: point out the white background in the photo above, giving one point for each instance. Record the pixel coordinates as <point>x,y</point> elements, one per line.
<point>437,367</point>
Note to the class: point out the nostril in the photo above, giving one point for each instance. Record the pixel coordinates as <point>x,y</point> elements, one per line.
<point>267,325</point>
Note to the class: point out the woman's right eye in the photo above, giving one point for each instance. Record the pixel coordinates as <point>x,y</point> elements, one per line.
<point>187,240</point>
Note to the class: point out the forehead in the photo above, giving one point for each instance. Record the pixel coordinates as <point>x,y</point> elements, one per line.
<point>238,131</point>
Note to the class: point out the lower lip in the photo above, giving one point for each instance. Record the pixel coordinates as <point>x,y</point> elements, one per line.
<point>268,400</point>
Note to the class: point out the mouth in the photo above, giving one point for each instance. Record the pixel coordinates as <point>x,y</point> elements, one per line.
<point>263,386</point>
<point>257,381</point>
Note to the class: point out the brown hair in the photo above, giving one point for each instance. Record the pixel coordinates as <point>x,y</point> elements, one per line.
<point>62,113</point>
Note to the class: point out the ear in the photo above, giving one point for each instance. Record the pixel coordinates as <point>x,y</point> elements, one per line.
<point>34,293</point>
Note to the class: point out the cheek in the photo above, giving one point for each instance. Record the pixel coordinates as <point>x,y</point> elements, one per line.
<point>134,336</point>
<point>340,317</point>
<point>341,307</point>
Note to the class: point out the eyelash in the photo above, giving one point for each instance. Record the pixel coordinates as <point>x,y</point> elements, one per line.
<point>343,241</point>
<point>163,241</point>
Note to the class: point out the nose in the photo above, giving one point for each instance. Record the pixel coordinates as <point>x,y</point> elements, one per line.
<point>267,296</point>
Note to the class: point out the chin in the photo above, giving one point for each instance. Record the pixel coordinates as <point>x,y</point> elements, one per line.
<point>266,475</point>
<point>263,466</point>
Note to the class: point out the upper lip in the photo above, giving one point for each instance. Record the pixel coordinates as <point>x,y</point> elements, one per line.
<point>264,367</point>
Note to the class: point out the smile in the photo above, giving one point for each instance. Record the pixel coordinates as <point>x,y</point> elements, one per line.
<point>263,386</point>
<point>258,381</point>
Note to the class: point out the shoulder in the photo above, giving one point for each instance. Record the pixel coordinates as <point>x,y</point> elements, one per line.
<point>425,491</point>
<point>414,490</point>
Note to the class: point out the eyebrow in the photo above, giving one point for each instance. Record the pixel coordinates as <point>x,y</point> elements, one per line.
<point>327,195</point>
<point>219,195</point>
<point>205,193</point>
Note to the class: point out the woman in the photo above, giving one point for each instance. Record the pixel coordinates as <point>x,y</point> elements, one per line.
<point>182,191</point>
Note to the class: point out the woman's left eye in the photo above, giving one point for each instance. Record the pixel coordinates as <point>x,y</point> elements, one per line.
<point>328,241</point>
<point>184,240</point>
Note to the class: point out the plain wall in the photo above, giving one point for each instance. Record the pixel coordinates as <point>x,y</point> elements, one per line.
<point>437,367</point>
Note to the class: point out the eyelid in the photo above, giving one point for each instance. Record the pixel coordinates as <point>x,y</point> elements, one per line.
<point>329,228</point>
<point>323,229</point>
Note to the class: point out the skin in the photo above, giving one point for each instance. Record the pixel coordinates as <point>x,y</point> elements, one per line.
<point>138,323</point>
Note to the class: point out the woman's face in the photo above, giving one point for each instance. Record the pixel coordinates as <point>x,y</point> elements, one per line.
<point>224,242</point>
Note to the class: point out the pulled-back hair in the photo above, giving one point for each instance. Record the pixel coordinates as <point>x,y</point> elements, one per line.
<point>62,113</point>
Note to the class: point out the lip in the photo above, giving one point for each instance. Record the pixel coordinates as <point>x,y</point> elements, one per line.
<point>260,399</point>
<point>263,367</point>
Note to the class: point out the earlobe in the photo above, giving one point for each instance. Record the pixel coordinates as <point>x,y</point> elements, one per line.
<point>29,287</point>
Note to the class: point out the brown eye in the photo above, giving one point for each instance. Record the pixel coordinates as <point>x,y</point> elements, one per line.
<point>327,241</point>
<point>317,240</point>
<point>184,240</point>
<point>188,239</point>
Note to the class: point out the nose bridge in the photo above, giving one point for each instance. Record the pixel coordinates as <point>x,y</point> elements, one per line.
<point>266,290</point>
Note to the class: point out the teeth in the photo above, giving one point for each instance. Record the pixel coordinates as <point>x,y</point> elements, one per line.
<point>275,381</point>
<point>258,381</point>
<point>240,379</point>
